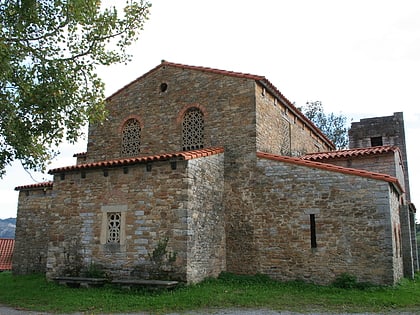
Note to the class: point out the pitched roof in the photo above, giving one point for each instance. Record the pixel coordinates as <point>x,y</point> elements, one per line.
<point>180,156</point>
<point>6,253</point>
<point>258,78</point>
<point>350,153</point>
<point>332,168</point>
<point>35,186</point>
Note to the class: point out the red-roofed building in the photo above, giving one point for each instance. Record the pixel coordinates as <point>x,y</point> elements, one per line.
<point>6,253</point>
<point>217,166</point>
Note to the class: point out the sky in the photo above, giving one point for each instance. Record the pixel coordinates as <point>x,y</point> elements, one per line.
<point>360,58</point>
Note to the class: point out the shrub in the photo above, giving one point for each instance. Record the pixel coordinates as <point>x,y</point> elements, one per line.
<point>345,281</point>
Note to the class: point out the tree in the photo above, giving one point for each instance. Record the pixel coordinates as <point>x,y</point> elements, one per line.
<point>333,126</point>
<point>49,52</point>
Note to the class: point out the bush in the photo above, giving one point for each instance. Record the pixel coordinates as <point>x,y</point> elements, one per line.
<point>345,281</point>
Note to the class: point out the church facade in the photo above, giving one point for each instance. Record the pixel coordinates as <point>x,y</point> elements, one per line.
<point>230,176</point>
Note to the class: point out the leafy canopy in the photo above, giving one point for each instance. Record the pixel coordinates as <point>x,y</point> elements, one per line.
<point>333,126</point>
<point>49,52</point>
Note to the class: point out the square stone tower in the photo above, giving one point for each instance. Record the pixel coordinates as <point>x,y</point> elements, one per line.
<point>378,131</point>
<point>389,130</point>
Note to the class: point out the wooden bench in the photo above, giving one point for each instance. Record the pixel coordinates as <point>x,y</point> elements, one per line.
<point>76,282</point>
<point>154,284</point>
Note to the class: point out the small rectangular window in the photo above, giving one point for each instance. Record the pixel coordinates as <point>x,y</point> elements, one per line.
<point>376,141</point>
<point>313,231</point>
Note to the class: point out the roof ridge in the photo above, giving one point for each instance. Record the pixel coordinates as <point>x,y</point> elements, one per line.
<point>332,167</point>
<point>198,68</point>
<point>80,154</point>
<point>355,152</point>
<point>47,184</point>
<point>214,70</point>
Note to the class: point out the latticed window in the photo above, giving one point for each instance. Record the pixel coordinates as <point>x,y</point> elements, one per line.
<point>193,130</point>
<point>114,227</point>
<point>131,138</point>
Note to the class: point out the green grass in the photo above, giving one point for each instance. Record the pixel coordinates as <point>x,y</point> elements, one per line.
<point>35,293</point>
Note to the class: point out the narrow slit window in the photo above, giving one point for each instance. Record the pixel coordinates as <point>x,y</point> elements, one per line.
<point>313,230</point>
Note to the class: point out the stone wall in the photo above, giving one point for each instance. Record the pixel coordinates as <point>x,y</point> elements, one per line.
<point>386,163</point>
<point>30,251</point>
<point>175,200</point>
<point>206,245</point>
<point>353,229</point>
<point>280,131</point>
<point>152,203</point>
<point>226,102</point>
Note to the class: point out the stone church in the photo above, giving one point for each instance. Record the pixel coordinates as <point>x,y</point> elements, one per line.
<point>231,176</point>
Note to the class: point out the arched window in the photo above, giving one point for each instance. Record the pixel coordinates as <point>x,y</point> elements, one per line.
<point>193,130</point>
<point>131,133</point>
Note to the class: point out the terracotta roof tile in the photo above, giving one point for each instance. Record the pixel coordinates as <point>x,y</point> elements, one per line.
<point>81,154</point>
<point>350,153</point>
<point>35,186</point>
<point>6,253</point>
<point>182,155</point>
<point>332,168</point>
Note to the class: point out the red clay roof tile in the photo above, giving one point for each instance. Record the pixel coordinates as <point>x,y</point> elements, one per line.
<point>182,155</point>
<point>353,153</point>
<point>35,186</point>
<point>6,253</point>
<point>81,154</point>
<point>332,168</point>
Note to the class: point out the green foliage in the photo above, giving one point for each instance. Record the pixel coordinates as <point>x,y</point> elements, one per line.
<point>349,281</point>
<point>258,278</point>
<point>49,89</point>
<point>333,126</point>
<point>160,254</point>
<point>35,293</point>
<point>162,260</point>
<point>345,281</point>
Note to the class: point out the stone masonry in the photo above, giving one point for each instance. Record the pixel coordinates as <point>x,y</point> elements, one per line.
<point>213,161</point>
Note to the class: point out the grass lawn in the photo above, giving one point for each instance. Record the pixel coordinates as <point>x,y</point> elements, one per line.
<point>35,293</point>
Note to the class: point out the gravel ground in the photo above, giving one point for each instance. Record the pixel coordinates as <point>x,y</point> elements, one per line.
<point>10,311</point>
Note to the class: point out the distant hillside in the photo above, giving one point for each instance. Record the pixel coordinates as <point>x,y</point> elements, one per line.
<point>7,228</point>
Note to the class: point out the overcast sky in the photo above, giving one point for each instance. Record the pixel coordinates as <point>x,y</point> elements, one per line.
<point>359,58</point>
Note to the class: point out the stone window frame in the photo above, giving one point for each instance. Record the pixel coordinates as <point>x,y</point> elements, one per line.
<point>106,210</point>
<point>123,125</point>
